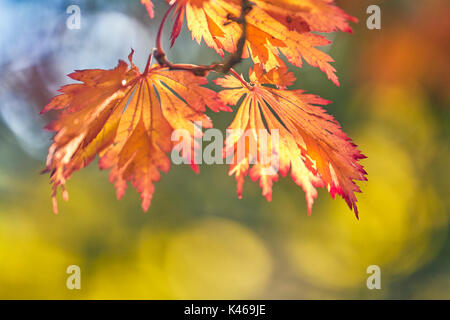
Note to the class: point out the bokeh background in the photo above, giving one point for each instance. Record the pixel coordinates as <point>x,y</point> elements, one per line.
<point>198,241</point>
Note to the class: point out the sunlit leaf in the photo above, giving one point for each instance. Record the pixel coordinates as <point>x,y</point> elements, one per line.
<point>127,118</point>
<point>273,27</point>
<point>311,144</point>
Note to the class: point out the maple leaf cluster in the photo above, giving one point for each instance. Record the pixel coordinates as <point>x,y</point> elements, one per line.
<point>126,117</point>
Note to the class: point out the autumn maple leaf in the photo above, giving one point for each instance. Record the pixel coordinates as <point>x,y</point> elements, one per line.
<point>127,118</point>
<point>272,27</point>
<point>311,144</point>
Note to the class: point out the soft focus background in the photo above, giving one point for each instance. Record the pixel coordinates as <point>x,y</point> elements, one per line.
<point>198,240</point>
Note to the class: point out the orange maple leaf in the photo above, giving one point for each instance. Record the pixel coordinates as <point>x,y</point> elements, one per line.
<point>311,143</point>
<point>273,27</point>
<point>127,118</point>
<point>308,15</point>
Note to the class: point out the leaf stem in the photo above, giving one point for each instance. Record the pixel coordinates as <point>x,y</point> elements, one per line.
<point>238,76</point>
<point>159,47</point>
<point>149,61</point>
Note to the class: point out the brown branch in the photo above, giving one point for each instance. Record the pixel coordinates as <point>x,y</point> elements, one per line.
<point>201,70</point>
<point>236,57</point>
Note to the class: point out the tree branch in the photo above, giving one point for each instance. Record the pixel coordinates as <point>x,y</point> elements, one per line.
<point>223,67</point>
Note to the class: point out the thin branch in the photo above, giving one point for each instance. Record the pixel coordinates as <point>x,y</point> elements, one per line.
<point>160,55</point>
<point>201,70</point>
<point>236,57</point>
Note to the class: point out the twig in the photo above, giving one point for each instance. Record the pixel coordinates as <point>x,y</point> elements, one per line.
<point>201,70</point>
<point>236,57</point>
